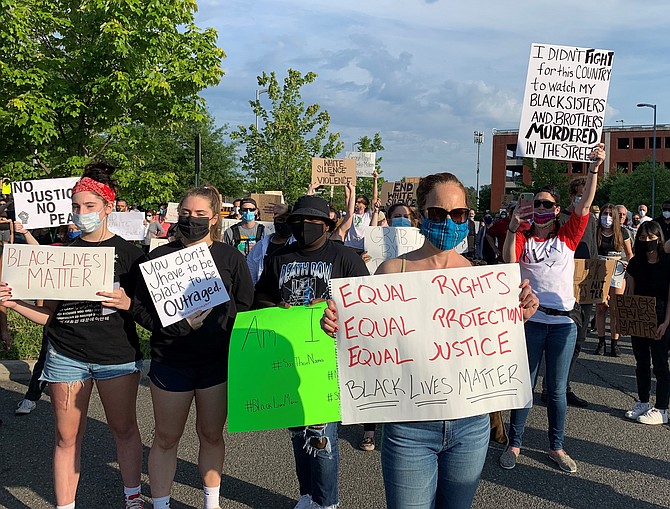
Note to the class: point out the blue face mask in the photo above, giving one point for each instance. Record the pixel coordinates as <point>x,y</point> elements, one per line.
<point>87,223</point>
<point>248,216</point>
<point>400,221</point>
<point>73,235</point>
<point>444,235</point>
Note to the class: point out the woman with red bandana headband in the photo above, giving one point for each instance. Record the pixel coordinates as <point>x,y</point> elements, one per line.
<point>545,252</point>
<point>92,341</point>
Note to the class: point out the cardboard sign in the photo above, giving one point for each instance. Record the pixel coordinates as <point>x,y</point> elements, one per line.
<point>592,280</point>
<point>172,214</point>
<point>431,345</point>
<point>399,192</point>
<point>294,370</point>
<point>636,316</point>
<point>619,272</point>
<point>385,242</point>
<point>184,282</point>
<point>127,225</point>
<point>365,162</point>
<point>564,104</point>
<point>333,172</point>
<point>266,205</point>
<point>155,242</point>
<point>44,203</point>
<point>57,272</point>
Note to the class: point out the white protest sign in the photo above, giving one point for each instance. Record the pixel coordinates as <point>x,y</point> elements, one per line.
<point>171,214</point>
<point>184,282</point>
<point>365,162</point>
<point>44,203</point>
<point>57,272</point>
<point>431,345</point>
<point>155,242</point>
<point>564,103</point>
<point>385,242</point>
<point>127,225</point>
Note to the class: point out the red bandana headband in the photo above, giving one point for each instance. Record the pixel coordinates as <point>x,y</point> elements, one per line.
<point>102,190</point>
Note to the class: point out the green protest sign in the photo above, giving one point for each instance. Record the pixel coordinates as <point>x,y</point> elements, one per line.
<point>282,370</point>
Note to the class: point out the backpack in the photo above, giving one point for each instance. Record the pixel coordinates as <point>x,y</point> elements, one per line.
<point>237,238</point>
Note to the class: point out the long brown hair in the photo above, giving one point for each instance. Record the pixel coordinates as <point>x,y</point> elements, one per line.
<point>427,184</point>
<point>616,227</point>
<point>210,193</point>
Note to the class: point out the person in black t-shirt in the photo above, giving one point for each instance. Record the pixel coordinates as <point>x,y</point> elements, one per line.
<point>90,341</point>
<point>300,274</point>
<point>649,272</point>
<point>189,359</point>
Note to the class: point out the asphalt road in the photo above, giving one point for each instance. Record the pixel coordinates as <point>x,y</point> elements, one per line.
<point>621,464</point>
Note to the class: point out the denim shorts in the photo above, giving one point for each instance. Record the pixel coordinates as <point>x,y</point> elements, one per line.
<point>59,368</point>
<point>173,379</point>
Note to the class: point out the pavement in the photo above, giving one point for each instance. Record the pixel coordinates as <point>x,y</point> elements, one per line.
<point>621,464</point>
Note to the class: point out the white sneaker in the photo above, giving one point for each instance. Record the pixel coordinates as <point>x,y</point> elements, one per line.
<point>654,416</point>
<point>304,503</point>
<point>638,409</point>
<point>317,506</point>
<point>24,407</point>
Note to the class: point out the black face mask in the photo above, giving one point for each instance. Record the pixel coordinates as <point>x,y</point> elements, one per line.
<point>305,233</point>
<point>283,230</point>
<point>193,228</point>
<point>646,246</point>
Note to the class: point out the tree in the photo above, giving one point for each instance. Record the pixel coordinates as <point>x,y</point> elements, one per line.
<point>279,155</point>
<point>547,172</point>
<point>633,189</point>
<point>484,199</point>
<point>365,144</point>
<point>73,71</point>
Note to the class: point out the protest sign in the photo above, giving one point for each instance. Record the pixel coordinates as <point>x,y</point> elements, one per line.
<point>127,225</point>
<point>386,242</point>
<point>155,242</point>
<point>592,280</point>
<point>365,162</point>
<point>636,315</point>
<point>172,214</point>
<point>399,192</point>
<point>184,282</point>
<point>292,366</point>
<point>43,203</point>
<point>564,103</point>
<point>619,271</point>
<point>431,345</point>
<point>56,272</point>
<point>6,186</point>
<point>333,172</point>
<point>266,204</point>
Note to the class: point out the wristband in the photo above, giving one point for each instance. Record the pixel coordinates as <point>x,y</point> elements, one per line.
<point>512,231</point>
<point>593,172</point>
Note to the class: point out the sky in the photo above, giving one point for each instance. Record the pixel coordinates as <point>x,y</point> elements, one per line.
<point>426,74</point>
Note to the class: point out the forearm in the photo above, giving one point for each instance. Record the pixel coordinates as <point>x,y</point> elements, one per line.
<point>509,249</point>
<point>37,314</point>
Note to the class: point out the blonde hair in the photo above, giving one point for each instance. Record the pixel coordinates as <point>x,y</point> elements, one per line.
<point>210,193</point>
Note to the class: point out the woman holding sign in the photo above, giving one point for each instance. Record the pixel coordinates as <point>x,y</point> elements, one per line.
<point>434,463</point>
<point>189,358</point>
<point>90,342</point>
<point>545,252</point>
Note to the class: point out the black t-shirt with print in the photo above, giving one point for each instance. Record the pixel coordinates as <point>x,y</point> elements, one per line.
<point>297,276</point>
<point>607,243</point>
<point>84,330</point>
<point>651,279</point>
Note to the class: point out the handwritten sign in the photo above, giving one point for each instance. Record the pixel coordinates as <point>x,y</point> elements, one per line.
<point>385,242</point>
<point>592,280</point>
<point>619,272</point>
<point>564,104</point>
<point>155,242</point>
<point>399,192</point>
<point>58,273</point>
<point>266,204</point>
<point>636,315</point>
<point>294,370</point>
<point>365,162</point>
<point>431,345</point>
<point>127,225</point>
<point>333,172</point>
<point>184,282</point>
<point>172,212</point>
<point>44,203</point>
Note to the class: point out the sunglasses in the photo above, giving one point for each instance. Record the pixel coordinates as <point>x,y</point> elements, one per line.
<point>438,214</point>
<point>248,210</point>
<point>544,203</point>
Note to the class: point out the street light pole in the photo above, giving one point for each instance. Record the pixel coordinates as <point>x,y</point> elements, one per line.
<point>258,96</point>
<point>479,139</point>
<point>653,166</point>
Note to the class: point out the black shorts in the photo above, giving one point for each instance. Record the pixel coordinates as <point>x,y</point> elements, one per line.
<point>172,379</point>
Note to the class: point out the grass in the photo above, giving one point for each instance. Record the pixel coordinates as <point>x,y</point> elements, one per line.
<point>28,339</point>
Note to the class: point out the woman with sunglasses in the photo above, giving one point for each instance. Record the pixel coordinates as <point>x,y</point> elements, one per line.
<point>545,252</point>
<point>434,463</point>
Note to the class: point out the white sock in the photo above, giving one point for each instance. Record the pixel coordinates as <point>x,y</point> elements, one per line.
<point>129,492</point>
<point>211,496</point>
<point>161,502</point>
<point>69,506</point>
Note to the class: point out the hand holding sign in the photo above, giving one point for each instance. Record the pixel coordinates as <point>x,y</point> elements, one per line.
<point>116,299</point>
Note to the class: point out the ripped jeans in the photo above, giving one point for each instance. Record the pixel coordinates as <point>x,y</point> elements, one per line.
<point>317,468</point>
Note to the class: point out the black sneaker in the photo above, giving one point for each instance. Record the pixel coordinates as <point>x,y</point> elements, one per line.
<point>574,400</point>
<point>543,397</point>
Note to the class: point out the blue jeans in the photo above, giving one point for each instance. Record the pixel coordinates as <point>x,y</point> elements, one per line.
<point>557,343</point>
<point>434,464</point>
<point>317,469</point>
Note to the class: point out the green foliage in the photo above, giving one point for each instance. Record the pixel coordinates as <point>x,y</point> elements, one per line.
<point>484,200</point>
<point>366,144</point>
<point>74,70</point>
<point>547,172</point>
<point>633,189</point>
<point>279,154</point>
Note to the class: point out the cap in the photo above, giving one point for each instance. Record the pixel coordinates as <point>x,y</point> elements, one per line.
<point>311,207</point>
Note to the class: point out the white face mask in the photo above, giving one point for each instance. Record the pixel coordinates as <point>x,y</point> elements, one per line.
<point>606,221</point>
<point>642,212</point>
<point>666,214</point>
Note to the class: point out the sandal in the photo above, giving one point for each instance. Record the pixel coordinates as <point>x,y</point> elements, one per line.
<point>367,444</point>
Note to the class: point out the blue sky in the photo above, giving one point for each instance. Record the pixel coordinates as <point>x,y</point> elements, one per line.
<point>425,74</point>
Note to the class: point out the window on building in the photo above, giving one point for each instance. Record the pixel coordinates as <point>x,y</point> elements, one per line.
<point>651,142</point>
<point>623,143</point>
<point>577,168</point>
<point>636,165</point>
<point>638,143</point>
<point>511,151</point>
<point>667,142</point>
<point>667,165</point>
<point>623,167</point>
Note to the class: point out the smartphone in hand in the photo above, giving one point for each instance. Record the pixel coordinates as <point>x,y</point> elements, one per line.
<point>525,205</point>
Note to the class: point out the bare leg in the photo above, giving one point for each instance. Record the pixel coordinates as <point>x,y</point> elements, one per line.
<point>211,405</point>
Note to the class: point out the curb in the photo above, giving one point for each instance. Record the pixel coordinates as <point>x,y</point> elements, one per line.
<point>21,371</point>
